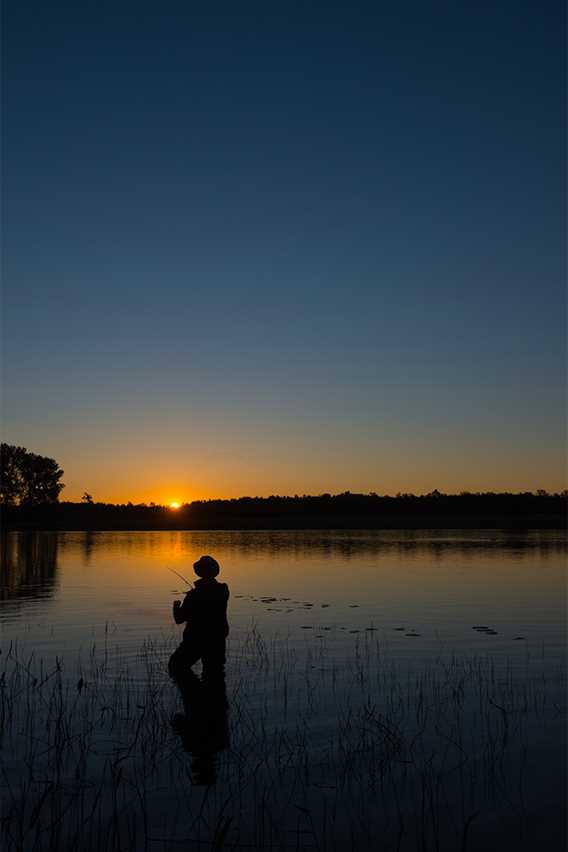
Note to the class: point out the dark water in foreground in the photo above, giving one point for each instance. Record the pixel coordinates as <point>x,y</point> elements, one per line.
<point>364,709</point>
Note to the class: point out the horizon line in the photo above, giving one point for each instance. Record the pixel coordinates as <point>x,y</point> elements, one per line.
<point>539,492</point>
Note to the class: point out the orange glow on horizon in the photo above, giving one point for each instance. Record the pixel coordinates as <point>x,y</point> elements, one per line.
<point>174,505</point>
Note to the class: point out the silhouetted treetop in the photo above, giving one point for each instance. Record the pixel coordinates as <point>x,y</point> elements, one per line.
<point>28,479</point>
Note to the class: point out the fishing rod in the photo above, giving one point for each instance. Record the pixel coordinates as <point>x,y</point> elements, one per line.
<point>179,575</point>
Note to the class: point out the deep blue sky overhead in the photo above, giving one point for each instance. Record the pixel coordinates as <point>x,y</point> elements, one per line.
<point>292,247</point>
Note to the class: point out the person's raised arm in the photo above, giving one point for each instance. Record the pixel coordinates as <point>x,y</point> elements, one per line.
<point>176,612</point>
<point>181,610</point>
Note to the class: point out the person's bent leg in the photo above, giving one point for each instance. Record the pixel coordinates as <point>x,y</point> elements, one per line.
<point>183,658</point>
<point>214,656</point>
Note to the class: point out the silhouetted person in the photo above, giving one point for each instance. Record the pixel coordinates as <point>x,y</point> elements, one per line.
<point>204,728</point>
<point>205,611</point>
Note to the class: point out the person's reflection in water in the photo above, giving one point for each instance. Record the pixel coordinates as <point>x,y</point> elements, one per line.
<point>203,728</point>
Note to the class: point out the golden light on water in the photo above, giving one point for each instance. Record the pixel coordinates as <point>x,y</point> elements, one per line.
<point>174,504</point>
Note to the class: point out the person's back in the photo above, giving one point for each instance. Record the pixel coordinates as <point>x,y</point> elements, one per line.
<point>205,611</point>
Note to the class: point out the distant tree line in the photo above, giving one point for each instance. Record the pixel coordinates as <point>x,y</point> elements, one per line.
<point>28,479</point>
<point>340,511</point>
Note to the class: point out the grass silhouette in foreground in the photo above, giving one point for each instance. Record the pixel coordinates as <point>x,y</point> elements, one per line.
<point>324,754</point>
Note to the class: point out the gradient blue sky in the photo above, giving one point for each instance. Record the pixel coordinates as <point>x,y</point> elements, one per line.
<point>288,247</point>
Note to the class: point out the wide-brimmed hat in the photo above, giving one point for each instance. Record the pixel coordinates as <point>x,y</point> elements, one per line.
<point>206,567</point>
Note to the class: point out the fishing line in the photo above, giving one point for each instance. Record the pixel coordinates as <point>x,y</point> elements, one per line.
<point>179,575</point>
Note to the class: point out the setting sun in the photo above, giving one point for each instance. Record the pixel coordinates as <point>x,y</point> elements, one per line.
<point>174,505</point>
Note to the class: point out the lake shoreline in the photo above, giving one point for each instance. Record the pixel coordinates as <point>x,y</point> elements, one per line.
<point>346,511</point>
<point>505,528</point>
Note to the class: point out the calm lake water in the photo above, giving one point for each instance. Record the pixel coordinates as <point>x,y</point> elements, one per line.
<point>325,627</point>
<point>62,591</point>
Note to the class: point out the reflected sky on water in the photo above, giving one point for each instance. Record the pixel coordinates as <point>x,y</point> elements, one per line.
<point>419,592</point>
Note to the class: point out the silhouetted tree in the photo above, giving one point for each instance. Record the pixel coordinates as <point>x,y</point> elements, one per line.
<point>11,481</point>
<point>87,498</point>
<point>28,478</point>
